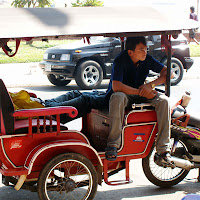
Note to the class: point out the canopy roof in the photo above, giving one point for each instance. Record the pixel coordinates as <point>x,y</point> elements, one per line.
<point>88,21</point>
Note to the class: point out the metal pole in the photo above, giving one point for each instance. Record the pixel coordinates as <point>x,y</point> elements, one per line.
<point>169,54</point>
<point>197,9</point>
<point>122,43</point>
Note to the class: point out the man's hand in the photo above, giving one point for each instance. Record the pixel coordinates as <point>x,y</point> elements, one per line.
<point>146,91</point>
<point>151,95</point>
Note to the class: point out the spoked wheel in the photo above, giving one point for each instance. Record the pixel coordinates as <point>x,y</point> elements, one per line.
<point>160,176</point>
<point>68,176</point>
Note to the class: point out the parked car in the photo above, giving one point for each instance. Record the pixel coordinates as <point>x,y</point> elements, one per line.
<point>90,63</point>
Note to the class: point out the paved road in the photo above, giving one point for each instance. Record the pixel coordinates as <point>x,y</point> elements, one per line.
<point>140,189</point>
<point>23,75</point>
<point>31,75</point>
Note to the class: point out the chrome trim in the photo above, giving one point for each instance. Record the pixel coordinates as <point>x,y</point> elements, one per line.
<point>121,148</point>
<point>131,125</point>
<point>10,136</point>
<point>13,165</point>
<point>135,111</point>
<point>57,145</point>
<point>18,135</point>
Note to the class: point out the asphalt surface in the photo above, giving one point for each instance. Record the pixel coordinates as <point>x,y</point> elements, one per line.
<point>30,75</point>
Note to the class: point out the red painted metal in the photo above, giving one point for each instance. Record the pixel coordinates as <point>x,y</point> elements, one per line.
<point>38,138</point>
<point>71,111</point>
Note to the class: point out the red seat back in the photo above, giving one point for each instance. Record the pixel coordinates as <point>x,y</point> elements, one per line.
<point>6,111</point>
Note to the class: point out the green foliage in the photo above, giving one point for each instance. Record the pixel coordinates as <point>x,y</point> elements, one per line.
<point>35,51</point>
<point>194,50</point>
<point>88,3</point>
<point>30,53</point>
<point>31,3</point>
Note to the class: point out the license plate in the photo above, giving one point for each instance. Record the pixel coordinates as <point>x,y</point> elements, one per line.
<point>47,67</point>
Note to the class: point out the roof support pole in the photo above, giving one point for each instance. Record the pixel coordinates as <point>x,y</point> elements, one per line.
<point>169,55</point>
<point>122,43</point>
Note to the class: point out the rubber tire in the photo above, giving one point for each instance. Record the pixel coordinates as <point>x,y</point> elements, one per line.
<point>56,81</point>
<point>57,159</point>
<point>161,183</point>
<point>176,62</point>
<point>79,75</point>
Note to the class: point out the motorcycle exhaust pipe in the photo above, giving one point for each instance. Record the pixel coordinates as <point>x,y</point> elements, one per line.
<point>184,164</point>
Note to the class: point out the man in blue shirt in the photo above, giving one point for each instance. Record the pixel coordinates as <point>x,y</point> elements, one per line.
<point>130,69</point>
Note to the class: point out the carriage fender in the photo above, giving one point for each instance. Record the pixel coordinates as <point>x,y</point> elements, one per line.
<point>69,146</point>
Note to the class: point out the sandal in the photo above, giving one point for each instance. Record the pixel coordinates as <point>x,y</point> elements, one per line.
<point>111,153</point>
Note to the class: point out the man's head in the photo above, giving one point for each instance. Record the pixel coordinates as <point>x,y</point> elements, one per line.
<point>137,48</point>
<point>192,9</point>
<point>131,42</point>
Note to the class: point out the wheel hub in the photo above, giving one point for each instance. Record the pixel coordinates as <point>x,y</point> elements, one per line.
<point>69,185</point>
<point>89,75</point>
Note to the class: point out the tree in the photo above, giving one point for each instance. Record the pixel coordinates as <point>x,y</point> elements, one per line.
<point>88,3</point>
<point>31,3</point>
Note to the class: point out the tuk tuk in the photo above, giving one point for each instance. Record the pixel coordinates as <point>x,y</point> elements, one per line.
<point>41,154</point>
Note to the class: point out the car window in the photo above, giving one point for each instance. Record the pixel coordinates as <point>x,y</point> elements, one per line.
<point>99,39</point>
<point>156,38</point>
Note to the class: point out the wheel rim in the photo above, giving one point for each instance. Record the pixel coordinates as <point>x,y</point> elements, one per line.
<point>165,174</point>
<point>91,75</point>
<point>69,179</point>
<point>177,72</point>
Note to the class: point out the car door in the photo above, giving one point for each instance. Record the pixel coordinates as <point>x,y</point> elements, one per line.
<point>115,48</point>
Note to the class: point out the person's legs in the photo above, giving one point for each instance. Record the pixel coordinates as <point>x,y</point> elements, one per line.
<point>162,157</point>
<point>60,100</point>
<point>98,101</point>
<point>196,41</point>
<point>73,98</point>
<point>117,104</point>
<point>163,111</point>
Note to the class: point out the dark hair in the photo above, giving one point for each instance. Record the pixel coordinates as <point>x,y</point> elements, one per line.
<point>192,9</point>
<point>131,42</point>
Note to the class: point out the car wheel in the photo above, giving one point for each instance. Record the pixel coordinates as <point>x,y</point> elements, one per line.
<point>177,68</point>
<point>58,80</point>
<point>89,75</point>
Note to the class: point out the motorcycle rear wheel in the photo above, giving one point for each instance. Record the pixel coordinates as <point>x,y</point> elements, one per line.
<point>160,176</point>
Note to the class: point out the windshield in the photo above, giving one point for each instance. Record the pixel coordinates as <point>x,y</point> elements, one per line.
<point>99,39</point>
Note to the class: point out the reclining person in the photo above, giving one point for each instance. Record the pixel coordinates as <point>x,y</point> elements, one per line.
<point>82,101</point>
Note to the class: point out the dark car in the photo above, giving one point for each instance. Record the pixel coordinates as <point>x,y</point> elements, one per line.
<point>88,64</point>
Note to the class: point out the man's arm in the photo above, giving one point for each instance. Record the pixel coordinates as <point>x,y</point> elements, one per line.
<point>146,88</point>
<point>118,86</point>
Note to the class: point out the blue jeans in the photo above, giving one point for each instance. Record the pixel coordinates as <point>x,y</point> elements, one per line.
<point>83,102</point>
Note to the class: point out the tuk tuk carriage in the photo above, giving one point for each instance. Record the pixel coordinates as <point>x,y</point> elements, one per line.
<point>41,154</point>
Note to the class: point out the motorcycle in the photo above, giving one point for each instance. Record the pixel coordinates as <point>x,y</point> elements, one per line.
<point>40,154</point>
<point>185,148</point>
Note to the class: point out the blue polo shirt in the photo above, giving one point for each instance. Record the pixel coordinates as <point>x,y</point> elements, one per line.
<point>125,71</point>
